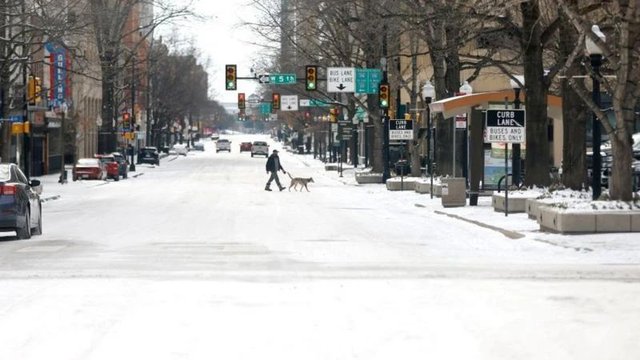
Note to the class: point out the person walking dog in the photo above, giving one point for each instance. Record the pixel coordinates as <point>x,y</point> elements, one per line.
<point>273,165</point>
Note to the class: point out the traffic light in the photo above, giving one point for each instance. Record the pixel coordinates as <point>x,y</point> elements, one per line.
<point>31,90</point>
<point>126,122</point>
<point>312,77</point>
<point>275,101</point>
<point>333,114</point>
<point>231,77</point>
<point>383,96</point>
<point>241,101</point>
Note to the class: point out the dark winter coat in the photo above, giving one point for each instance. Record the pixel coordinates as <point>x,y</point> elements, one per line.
<point>271,163</point>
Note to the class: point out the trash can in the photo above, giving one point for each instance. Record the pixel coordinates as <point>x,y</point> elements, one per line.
<point>454,192</point>
<point>300,149</point>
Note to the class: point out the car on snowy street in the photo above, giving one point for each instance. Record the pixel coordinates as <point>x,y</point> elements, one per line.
<point>123,164</point>
<point>223,145</point>
<point>245,146</point>
<point>199,146</point>
<point>111,165</point>
<point>88,169</point>
<point>149,155</point>
<point>20,207</point>
<point>260,148</point>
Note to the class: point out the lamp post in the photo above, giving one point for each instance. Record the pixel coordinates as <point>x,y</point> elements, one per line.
<point>428,93</point>
<point>595,53</point>
<point>386,174</point>
<point>515,158</point>
<point>465,89</point>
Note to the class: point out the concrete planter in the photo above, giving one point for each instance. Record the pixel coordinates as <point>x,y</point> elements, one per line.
<point>533,207</point>
<point>425,188</point>
<point>555,219</point>
<point>409,184</point>
<point>365,178</point>
<point>517,204</point>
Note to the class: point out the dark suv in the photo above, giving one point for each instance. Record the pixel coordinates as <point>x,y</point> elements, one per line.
<point>149,155</point>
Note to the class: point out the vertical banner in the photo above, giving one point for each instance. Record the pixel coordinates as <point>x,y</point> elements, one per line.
<point>58,80</point>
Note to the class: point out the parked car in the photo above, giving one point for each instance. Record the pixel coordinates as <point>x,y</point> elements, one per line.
<point>260,148</point>
<point>215,136</point>
<point>123,164</point>
<point>149,155</point>
<point>20,206</point>
<point>180,149</point>
<point>111,165</point>
<point>199,146</point>
<point>223,145</point>
<point>245,146</point>
<point>89,169</point>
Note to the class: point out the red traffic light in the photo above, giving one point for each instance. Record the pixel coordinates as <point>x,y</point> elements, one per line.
<point>275,101</point>
<point>241,101</point>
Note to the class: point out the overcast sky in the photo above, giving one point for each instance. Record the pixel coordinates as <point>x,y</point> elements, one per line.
<point>222,40</point>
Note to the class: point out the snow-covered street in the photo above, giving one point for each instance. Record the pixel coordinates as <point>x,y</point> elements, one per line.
<point>194,260</point>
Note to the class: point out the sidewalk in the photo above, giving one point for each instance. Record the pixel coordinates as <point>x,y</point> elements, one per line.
<point>624,247</point>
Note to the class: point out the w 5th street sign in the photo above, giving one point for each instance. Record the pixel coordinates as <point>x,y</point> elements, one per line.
<point>506,126</point>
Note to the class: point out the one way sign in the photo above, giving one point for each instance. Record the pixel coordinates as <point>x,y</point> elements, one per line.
<point>341,79</point>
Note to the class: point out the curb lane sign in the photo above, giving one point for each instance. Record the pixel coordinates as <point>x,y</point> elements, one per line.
<point>341,79</point>
<point>400,129</point>
<point>506,126</point>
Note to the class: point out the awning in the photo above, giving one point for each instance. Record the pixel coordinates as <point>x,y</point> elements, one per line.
<point>457,105</point>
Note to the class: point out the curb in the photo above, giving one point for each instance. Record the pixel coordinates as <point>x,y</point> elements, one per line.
<point>508,233</point>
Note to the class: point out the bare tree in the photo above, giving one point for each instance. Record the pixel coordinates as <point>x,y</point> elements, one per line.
<point>620,20</point>
<point>109,19</point>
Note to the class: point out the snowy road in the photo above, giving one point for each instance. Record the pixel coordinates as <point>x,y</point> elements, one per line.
<point>194,260</point>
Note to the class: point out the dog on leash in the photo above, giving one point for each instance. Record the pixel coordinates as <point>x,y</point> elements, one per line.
<point>303,182</point>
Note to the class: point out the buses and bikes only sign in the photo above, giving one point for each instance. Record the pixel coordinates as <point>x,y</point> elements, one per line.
<point>506,126</point>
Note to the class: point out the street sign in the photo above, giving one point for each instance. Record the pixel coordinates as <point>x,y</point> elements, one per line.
<point>345,131</point>
<point>368,80</point>
<point>400,129</point>
<point>313,103</point>
<point>264,79</point>
<point>282,79</point>
<point>289,102</point>
<point>341,79</point>
<point>265,108</point>
<point>506,126</point>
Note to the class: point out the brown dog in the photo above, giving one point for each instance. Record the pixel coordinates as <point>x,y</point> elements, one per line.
<point>303,182</point>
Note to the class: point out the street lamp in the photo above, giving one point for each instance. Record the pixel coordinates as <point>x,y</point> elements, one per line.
<point>595,53</point>
<point>515,158</point>
<point>465,89</point>
<point>385,119</point>
<point>428,93</point>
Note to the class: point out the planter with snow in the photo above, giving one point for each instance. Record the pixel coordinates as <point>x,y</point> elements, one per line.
<point>368,178</point>
<point>558,219</point>
<point>517,202</point>
<point>396,184</point>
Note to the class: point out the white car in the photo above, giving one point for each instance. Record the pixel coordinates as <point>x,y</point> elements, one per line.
<point>260,148</point>
<point>223,145</point>
<point>181,149</point>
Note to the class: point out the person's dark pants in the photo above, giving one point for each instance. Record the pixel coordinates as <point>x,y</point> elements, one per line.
<point>274,176</point>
